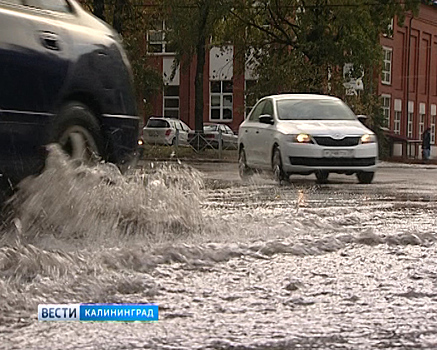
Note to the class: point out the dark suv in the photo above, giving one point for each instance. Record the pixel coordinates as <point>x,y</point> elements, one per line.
<point>64,78</point>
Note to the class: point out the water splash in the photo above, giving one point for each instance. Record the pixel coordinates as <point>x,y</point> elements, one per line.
<point>248,267</point>
<point>99,204</point>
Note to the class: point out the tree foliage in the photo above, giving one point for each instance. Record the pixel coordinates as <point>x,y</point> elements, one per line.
<point>293,45</point>
<point>297,42</point>
<point>191,26</point>
<point>303,45</point>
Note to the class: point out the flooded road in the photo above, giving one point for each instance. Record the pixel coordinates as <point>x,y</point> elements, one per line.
<point>231,265</point>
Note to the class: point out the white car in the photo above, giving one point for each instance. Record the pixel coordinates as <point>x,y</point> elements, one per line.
<point>305,134</point>
<point>166,131</point>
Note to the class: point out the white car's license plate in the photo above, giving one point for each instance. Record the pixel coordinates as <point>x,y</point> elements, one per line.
<point>338,153</point>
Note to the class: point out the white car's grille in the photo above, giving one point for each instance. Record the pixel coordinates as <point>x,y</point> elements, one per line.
<point>337,162</point>
<point>329,141</point>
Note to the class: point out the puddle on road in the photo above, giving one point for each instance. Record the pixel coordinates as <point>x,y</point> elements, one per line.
<point>253,266</point>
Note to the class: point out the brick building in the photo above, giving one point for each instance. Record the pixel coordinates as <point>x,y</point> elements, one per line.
<point>407,86</point>
<point>224,98</point>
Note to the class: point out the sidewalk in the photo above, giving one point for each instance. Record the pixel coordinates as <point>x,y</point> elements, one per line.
<point>412,160</point>
<point>409,163</point>
<point>231,156</point>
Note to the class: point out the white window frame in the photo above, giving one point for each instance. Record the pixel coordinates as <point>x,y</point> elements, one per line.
<point>385,108</point>
<point>386,65</point>
<point>222,95</point>
<point>421,125</point>
<point>397,122</point>
<point>433,124</point>
<point>410,118</point>
<point>397,116</point>
<point>389,32</point>
<point>162,42</point>
<point>422,108</point>
<point>410,125</point>
<point>166,98</point>
<point>433,117</point>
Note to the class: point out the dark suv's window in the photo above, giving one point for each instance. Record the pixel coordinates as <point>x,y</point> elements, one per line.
<point>157,123</point>
<point>52,5</point>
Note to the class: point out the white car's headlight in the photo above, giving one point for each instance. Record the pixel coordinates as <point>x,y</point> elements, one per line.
<point>368,138</point>
<point>301,138</point>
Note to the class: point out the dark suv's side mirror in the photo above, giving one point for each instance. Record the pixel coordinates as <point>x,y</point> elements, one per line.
<point>266,119</point>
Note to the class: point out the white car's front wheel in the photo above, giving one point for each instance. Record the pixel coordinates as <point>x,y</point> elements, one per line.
<point>278,171</point>
<point>322,176</point>
<point>243,169</point>
<point>365,177</point>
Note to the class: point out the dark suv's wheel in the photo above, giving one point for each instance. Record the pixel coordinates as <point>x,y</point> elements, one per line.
<point>278,171</point>
<point>243,169</point>
<point>77,131</point>
<point>365,177</point>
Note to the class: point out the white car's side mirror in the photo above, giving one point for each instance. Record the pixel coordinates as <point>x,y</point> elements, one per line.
<point>266,119</point>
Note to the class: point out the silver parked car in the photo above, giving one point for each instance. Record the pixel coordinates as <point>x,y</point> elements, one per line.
<point>305,134</point>
<point>166,131</point>
<point>217,135</point>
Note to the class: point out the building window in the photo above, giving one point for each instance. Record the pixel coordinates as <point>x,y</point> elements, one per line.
<point>397,116</point>
<point>433,129</point>
<point>421,125</point>
<point>156,40</point>
<point>421,129</point>
<point>171,101</point>
<point>386,102</point>
<point>388,33</point>
<point>221,100</point>
<point>386,66</point>
<point>397,122</point>
<point>410,118</point>
<point>249,96</point>
<point>410,125</point>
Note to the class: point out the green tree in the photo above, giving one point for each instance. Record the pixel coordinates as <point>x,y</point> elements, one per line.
<point>299,41</point>
<point>303,45</point>
<point>191,25</point>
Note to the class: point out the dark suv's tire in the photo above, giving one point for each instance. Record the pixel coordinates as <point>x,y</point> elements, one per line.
<point>77,130</point>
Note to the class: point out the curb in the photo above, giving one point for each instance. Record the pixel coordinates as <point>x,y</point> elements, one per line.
<point>383,164</point>
<point>188,160</point>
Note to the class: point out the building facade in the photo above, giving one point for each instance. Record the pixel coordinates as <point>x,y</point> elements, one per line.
<point>224,88</point>
<point>408,82</point>
<point>407,85</point>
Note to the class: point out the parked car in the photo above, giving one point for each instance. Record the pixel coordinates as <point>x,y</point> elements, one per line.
<point>305,134</point>
<point>65,78</point>
<point>166,131</point>
<point>216,134</point>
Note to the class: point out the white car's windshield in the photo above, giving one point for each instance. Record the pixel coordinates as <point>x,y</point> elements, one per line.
<point>294,109</point>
